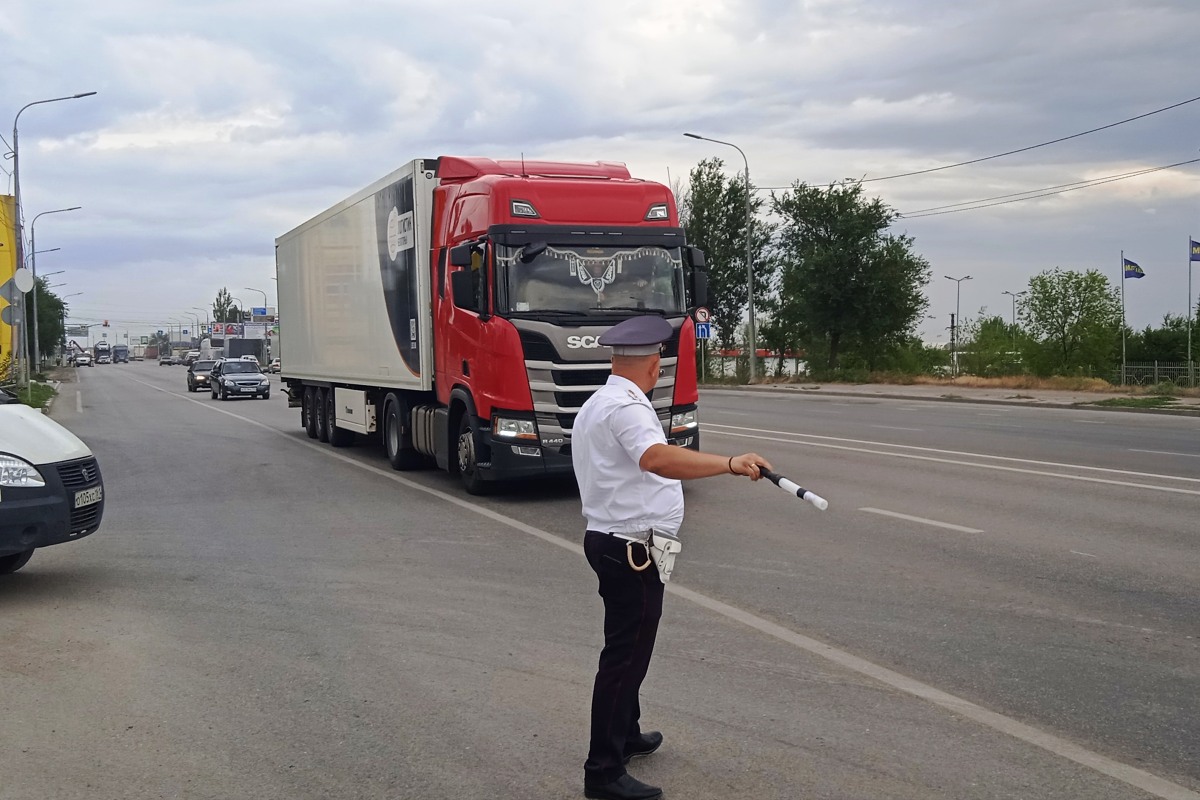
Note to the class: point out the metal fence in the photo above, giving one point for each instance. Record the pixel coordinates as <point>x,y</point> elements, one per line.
<point>1152,373</point>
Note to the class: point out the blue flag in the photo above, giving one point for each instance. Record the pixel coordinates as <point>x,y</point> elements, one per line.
<point>1195,250</point>
<point>1132,270</point>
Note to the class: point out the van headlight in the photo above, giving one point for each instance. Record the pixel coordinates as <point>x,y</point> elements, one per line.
<point>683,421</point>
<point>16,472</point>
<point>515,429</point>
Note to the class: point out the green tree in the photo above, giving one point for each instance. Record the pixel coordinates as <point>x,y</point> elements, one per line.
<point>1166,343</point>
<point>713,215</point>
<point>989,346</point>
<point>224,309</point>
<point>843,278</point>
<point>1073,321</point>
<point>51,332</point>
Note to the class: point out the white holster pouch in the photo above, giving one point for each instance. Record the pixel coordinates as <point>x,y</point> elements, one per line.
<point>662,547</point>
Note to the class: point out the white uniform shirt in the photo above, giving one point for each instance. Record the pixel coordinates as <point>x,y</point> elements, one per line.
<point>613,429</point>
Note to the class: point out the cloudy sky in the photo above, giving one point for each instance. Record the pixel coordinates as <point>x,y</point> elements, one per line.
<point>221,124</point>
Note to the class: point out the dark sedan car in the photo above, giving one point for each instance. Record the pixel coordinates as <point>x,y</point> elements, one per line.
<point>198,375</point>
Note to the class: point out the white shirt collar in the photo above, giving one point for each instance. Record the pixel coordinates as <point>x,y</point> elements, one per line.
<point>625,383</point>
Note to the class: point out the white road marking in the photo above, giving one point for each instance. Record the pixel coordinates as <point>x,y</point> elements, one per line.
<point>956,453</point>
<point>1089,555</point>
<point>981,414</point>
<point>922,520</point>
<point>1090,421</point>
<point>1165,453</point>
<point>1139,778</point>
<point>79,402</point>
<point>896,428</point>
<point>996,467</point>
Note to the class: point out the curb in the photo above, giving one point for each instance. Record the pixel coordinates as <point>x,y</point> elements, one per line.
<point>1168,412</point>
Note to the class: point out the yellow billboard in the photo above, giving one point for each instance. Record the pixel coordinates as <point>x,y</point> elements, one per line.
<point>8,264</point>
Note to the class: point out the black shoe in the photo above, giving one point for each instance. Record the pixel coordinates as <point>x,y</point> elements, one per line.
<point>625,787</point>
<point>644,745</point>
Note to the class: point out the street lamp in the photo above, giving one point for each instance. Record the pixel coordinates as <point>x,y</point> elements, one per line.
<point>260,291</point>
<point>16,174</point>
<point>37,354</point>
<point>749,246</point>
<point>39,252</point>
<point>957,319</point>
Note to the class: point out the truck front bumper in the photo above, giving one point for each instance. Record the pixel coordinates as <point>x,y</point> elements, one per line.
<point>46,515</point>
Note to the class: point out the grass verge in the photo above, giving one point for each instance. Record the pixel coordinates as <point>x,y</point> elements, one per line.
<point>37,395</point>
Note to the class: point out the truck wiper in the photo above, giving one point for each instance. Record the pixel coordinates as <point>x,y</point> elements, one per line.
<point>658,311</point>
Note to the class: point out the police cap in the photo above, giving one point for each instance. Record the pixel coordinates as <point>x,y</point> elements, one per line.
<point>640,336</point>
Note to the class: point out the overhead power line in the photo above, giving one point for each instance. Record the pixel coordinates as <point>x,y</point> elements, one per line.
<point>1033,194</point>
<point>1032,146</point>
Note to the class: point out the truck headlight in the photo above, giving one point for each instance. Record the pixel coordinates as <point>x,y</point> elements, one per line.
<point>16,472</point>
<point>515,429</point>
<point>683,421</point>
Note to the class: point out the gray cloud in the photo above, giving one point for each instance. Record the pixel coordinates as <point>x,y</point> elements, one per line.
<point>222,124</point>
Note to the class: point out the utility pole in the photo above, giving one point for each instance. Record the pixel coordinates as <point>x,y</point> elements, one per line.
<point>749,252</point>
<point>957,316</point>
<point>1014,322</point>
<point>37,350</point>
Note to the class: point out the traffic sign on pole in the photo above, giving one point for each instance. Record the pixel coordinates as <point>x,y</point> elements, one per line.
<point>703,330</point>
<point>703,314</point>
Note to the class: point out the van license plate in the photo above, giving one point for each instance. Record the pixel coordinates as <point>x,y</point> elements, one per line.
<point>89,496</point>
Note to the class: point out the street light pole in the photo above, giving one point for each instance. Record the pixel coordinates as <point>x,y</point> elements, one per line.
<point>260,291</point>
<point>957,319</point>
<point>37,349</point>
<point>749,250</point>
<point>16,159</point>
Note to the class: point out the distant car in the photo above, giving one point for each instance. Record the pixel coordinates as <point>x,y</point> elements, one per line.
<point>104,359</point>
<point>53,492</point>
<point>198,375</point>
<point>275,366</point>
<point>166,361</point>
<point>249,358</point>
<point>84,360</point>
<point>229,378</point>
<point>192,356</point>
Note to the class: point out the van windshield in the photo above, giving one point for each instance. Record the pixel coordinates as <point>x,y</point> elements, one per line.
<point>590,279</point>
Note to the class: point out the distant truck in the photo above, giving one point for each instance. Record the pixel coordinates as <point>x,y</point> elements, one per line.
<point>455,308</point>
<point>151,352</point>
<point>102,348</point>
<point>120,354</point>
<point>139,352</point>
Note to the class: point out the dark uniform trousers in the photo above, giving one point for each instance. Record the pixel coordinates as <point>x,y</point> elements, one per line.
<point>632,607</point>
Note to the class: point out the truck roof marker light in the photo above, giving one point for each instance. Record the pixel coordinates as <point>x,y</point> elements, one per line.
<point>524,208</point>
<point>657,213</point>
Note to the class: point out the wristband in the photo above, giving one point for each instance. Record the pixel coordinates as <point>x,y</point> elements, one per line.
<point>731,472</point>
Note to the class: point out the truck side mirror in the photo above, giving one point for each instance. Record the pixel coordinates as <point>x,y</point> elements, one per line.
<point>462,289</point>
<point>697,257</point>
<point>460,256</point>
<point>699,288</point>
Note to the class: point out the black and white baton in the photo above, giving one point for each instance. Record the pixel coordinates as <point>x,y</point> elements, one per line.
<point>794,488</point>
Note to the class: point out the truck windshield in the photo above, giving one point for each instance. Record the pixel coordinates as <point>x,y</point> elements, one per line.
<point>591,279</point>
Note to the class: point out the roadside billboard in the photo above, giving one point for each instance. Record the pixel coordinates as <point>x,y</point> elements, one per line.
<point>8,264</point>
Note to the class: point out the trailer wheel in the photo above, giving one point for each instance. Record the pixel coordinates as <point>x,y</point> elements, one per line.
<point>400,454</point>
<point>468,465</point>
<point>12,563</point>
<point>322,414</point>
<point>338,437</point>
<point>308,402</point>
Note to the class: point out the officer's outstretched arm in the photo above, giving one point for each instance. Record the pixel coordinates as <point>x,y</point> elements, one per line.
<point>680,463</point>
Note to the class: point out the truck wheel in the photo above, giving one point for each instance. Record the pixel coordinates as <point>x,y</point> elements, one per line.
<point>10,564</point>
<point>468,468</point>
<point>338,437</point>
<point>400,454</point>
<point>308,411</point>
<point>322,409</point>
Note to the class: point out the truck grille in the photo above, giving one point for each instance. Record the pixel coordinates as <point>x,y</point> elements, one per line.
<point>79,474</point>
<point>537,347</point>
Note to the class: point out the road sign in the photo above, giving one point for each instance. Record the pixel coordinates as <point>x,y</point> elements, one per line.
<point>24,279</point>
<point>160,333</point>
<point>145,340</point>
<point>9,315</point>
<point>260,311</point>
<point>703,330</point>
<point>703,315</point>
<point>9,291</point>
<point>183,331</point>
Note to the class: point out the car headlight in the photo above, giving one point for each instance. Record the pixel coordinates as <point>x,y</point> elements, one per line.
<point>17,472</point>
<point>515,429</point>
<point>683,421</point>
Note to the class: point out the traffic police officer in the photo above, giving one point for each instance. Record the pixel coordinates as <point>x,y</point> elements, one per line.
<point>629,481</point>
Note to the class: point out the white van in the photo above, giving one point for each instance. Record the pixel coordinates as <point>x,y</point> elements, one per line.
<point>51,490</point>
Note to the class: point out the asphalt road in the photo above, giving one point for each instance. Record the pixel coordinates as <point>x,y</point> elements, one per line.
<point>264,616</point>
